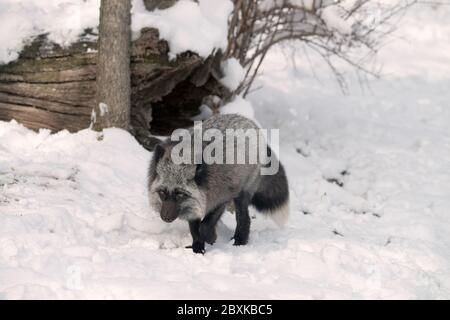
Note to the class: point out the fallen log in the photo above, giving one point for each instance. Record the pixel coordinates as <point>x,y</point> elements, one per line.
<point>53,87</point>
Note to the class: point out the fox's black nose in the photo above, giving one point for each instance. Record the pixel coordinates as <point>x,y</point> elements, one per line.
<point>168,219</point>
<point>169,211</point>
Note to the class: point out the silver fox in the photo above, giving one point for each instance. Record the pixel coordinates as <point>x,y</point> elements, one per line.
<point>200,193</point>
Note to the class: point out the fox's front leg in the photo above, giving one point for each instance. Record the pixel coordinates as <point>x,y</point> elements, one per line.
<point>208,225</point>
<point>198,244</point>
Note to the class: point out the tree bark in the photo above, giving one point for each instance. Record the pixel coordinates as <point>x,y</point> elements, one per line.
<point>113,102</point>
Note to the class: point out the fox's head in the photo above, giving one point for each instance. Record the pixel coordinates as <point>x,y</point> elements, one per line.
<point>175,190</point>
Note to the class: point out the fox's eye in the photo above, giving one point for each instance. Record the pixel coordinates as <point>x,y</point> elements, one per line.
<point>180,196</point>
<point>162,194</point>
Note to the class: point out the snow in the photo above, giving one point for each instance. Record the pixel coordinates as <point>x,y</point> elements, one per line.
<point>234,74</point>
<point>334,20</point>
<point>104,109</point>
<point>93,117</point>
<point>75,221</point>
<point>239,106</point>
<point>198,27</point>
<point>22,19</point>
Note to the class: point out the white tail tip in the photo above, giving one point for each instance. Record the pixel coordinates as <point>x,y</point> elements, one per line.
<point>281,215</point>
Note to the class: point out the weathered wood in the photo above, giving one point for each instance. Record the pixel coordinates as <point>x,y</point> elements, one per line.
<point>35,118</point>
<point>159,4</point>
<point>54,87</point>
<point>74,93</point>
<point>45,104</point>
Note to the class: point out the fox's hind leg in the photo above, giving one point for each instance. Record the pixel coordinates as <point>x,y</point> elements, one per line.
<point>242,232</point>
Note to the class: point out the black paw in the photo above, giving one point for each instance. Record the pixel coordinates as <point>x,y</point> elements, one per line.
<point>240,241</point>
<point>198,247</point>
<point>208,234</point>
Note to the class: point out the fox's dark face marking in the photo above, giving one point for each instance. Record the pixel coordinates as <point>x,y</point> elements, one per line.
<point>174,203</point>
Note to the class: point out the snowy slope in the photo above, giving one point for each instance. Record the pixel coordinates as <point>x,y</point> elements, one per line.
<point>75,222</point>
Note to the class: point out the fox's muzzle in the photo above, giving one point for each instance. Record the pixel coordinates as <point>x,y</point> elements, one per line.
<point>169,211</point>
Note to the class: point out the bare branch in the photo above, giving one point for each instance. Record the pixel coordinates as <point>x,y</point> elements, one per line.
<point>333,28</point>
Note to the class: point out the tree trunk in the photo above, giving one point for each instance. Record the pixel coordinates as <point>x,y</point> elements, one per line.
<point>113,67</point>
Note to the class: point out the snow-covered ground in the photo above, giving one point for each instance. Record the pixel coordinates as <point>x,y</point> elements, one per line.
<point>370,187</point>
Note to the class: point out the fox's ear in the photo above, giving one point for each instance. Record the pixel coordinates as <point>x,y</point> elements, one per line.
<point>201,174</point>
<point>158,153</point>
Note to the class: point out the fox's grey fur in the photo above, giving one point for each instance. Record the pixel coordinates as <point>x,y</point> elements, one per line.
<point>200,193</point>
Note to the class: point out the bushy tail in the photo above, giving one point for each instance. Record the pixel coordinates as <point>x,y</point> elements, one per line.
<point>272,196</point>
